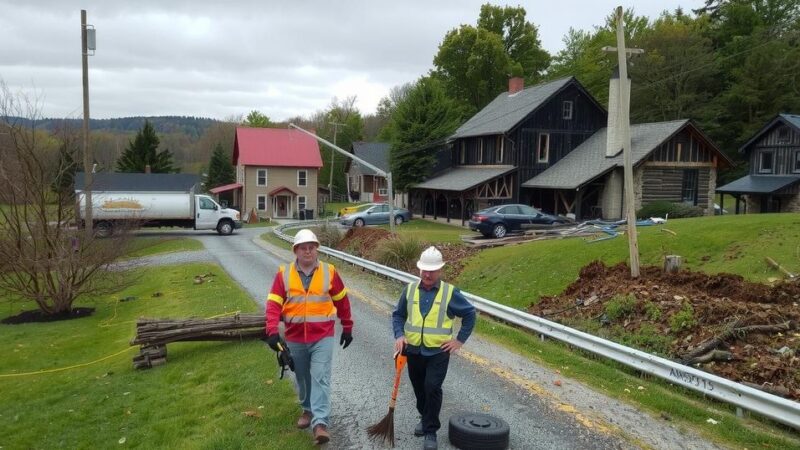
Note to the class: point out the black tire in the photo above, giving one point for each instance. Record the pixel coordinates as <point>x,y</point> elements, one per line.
<point>358,223</point>
<point>499,230</point>
<point>398,220</point>
<point>478,431</point>
<point>225,228</point>
<point>103,229</point>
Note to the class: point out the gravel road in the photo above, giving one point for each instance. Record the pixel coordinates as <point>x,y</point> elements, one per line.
<point>482,377</point>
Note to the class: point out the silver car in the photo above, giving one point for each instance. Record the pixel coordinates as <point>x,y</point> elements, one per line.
<point>375,215</point>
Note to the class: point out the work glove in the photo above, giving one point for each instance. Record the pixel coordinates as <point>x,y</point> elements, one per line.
<point>346,339</point>
<point>272,341</point>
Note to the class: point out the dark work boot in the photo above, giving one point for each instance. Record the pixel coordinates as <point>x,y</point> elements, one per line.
<point>430,442</point>
<point>419,430</point>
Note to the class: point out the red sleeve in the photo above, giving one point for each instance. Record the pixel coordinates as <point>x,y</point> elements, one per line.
<point>342,304</point>
<point>274,304</point>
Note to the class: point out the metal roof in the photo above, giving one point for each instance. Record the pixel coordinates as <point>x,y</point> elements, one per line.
<point>139,182</point>
<point>588,160</point>
<point>507,110</point>
<point>790,119</point>
<point>759,184</point>
<point>794,119</point>
<point>375,153</point>
<point>225,188</point>
<point>462,178</point>
<point>275,147</point>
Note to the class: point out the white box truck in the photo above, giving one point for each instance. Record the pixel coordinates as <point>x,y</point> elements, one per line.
<point>139,206</point>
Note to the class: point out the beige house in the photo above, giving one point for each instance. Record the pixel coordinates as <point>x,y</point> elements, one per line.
<point>276,173</point>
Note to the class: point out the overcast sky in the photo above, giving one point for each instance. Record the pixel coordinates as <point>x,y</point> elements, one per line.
<point>221,59</point>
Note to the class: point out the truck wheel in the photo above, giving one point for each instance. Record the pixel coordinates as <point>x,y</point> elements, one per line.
<point>479,431</point>
<point>225,228</point>
<point>103,229</point>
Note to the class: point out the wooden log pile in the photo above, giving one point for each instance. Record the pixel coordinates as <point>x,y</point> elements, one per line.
<point>153,335</point>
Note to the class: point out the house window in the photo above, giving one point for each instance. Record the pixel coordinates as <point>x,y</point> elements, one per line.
<point>566,110</point>
<point>463,155</point>
<point>543,151</point>
<point>261,177</point>
<point>765,162</point>
<point>499,149</point>
<point>301,202</point>
<point>796,166</point>
<point>480,152</point>
<point>689,189</point>
<point>783,134</point>
<point>383,192</point>
<point>302,178</point>
<point>261,201</point>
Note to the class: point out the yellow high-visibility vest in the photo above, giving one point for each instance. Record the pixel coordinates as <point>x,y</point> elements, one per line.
<point>314,305</point>
<point>434,329</point>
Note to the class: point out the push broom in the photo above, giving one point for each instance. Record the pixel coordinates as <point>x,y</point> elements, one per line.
<point>384,430</point>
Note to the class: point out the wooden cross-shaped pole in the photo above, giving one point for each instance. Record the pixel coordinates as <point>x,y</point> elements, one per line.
<point>624,132</point>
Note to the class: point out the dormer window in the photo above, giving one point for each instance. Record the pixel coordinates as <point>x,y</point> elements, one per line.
<point>765,164</point>
<point>566,110</point>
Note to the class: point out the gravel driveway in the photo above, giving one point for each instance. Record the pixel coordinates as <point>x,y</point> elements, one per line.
<point>482,378</point>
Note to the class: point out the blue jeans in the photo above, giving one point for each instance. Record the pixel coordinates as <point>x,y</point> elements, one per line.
<point>312,373</point>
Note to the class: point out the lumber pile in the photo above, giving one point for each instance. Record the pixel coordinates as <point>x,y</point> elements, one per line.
<point>153,335</point>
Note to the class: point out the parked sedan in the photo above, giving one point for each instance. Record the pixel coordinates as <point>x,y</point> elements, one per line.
<point>376,214</point>
<point>498,220</point>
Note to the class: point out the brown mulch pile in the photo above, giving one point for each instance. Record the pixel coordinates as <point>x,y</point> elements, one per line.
<point>363,241</point>
<point>719,303</point>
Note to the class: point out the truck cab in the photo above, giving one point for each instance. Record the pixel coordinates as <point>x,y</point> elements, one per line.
<point>211,216</point>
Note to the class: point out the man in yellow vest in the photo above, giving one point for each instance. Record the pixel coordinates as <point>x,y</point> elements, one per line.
<point>423,327</point>
<point>307,297</point>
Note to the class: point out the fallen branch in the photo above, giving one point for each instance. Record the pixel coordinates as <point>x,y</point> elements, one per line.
<point>737,332</point>
<point>775,265</point>
<point>713,355</point>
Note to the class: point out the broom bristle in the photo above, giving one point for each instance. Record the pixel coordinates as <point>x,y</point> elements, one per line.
<point>383,430</point>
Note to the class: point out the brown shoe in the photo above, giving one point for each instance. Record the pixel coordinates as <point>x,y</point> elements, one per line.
<point>305,420</point>
<point>321,435</point>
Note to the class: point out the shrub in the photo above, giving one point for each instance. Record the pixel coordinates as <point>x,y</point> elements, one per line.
<point>647,338</point>
<point>329,235</point>
<point>683,319</point>
<point>675,210</point>
<point>400,252</point>
<point>620,306</point>
<point>652,311</point>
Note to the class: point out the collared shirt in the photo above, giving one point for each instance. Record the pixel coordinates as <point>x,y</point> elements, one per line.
<point>306,278</point>
<point>458,307</point>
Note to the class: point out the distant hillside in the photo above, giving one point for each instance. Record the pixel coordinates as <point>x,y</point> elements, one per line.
<point>191,126</point>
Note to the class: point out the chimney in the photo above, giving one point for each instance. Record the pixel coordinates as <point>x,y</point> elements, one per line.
<point>613,138</point>
<point>515,84</point>
<point>147,168</point>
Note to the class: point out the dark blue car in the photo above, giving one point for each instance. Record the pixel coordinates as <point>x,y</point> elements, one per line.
<point>499,220</point>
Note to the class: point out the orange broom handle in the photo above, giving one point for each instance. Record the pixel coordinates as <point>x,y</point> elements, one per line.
<point>399,364</point>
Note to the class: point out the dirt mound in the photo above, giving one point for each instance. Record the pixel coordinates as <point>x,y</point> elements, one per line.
<point>679,316</point>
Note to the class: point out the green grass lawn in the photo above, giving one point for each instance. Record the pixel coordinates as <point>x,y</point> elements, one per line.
<point>197,400</point>
<point>518,275</point>
<point>432,232</point>
<point>151,245</point>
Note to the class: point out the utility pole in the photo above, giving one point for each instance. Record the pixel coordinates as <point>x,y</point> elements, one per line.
<point>86,36</point>
<point>335,131</point>
<point>624,132</point>
<point>377,170</point>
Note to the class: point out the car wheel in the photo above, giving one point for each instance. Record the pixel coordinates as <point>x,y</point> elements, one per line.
<point>358,223</point>
<point>225,228</point>
<point>499,230</point>
<point>479,431</point>
<point>398,220</point>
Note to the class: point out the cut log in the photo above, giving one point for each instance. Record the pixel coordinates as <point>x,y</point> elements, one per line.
<point>770,388</point>
<point>713,355</point>
<point>672,263</point>
<point>735,331</point>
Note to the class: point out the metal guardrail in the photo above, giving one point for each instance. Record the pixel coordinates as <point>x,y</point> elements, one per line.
<point>776,408</point>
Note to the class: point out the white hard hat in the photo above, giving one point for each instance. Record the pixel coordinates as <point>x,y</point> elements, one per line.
<point>303,236</point>
<point>430,259</point>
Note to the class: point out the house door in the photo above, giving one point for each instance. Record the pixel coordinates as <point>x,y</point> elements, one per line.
<point>281,205</point>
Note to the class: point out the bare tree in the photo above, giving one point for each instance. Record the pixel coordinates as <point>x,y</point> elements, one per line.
<point>43,257</point>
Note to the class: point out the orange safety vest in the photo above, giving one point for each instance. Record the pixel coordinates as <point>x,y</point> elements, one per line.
<point>314,305</point>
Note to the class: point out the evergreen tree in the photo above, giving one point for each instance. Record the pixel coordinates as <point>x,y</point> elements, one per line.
<point>220,169</point>
<point>425,116</point>
<point>65,172</point>
<point>257,120</point>
<point>143,151</point>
